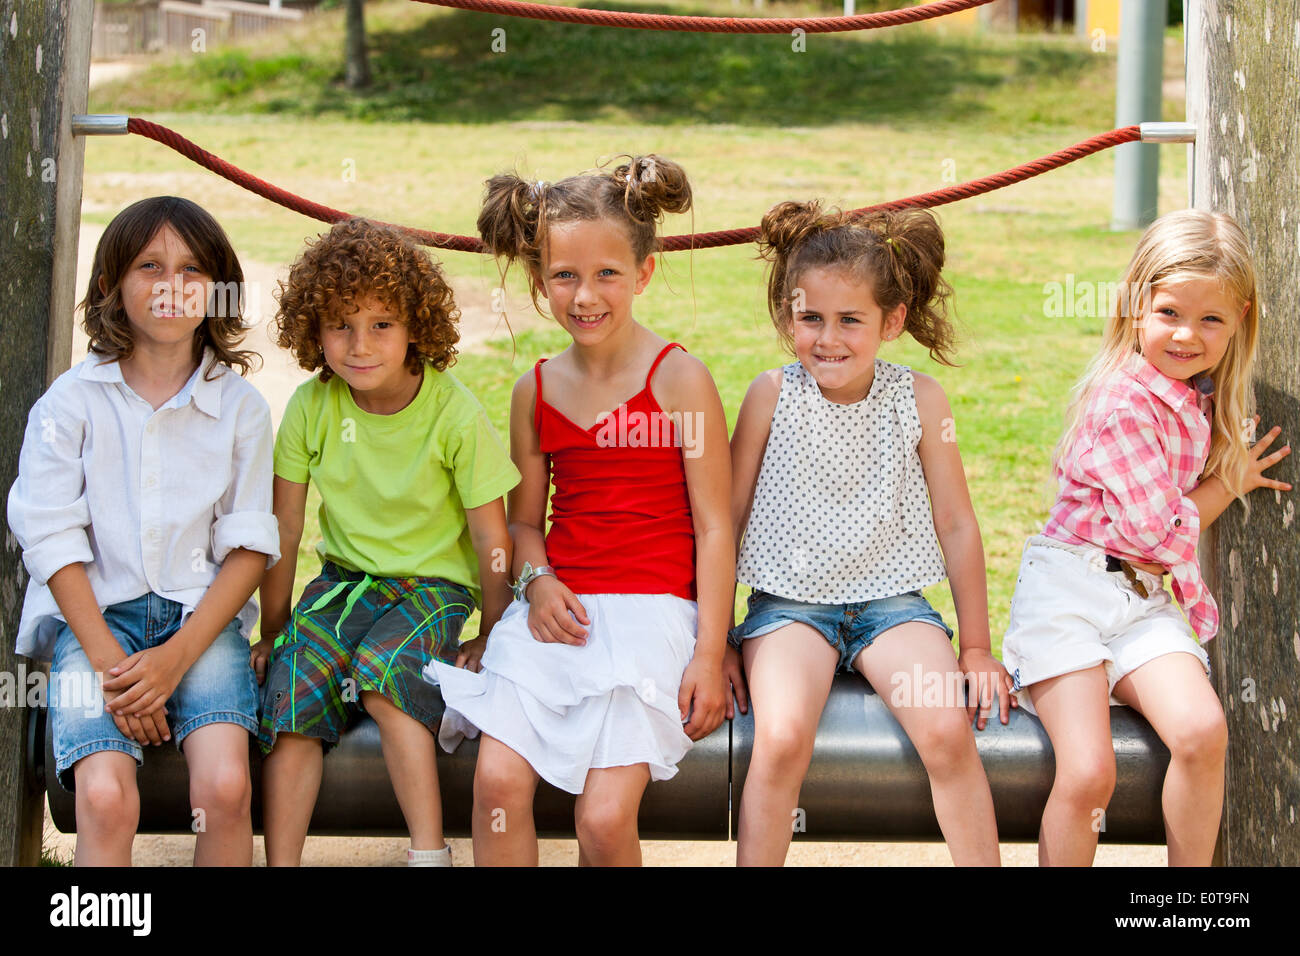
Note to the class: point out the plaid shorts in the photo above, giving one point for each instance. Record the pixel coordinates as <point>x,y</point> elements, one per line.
<point>352,633</point>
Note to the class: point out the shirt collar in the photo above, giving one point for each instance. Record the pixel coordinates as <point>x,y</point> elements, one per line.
<point>205,393</point>
<point>1172,392</point>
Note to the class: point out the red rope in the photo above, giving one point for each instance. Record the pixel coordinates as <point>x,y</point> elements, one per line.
<point>706,240</point>
<point>659,21</point>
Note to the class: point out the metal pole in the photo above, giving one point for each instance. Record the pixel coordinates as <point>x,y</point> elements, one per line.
<point>1137,100</point>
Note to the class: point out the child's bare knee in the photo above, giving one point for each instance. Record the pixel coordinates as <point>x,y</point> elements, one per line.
<point>106,802</point>
<point>784,748</point>
<point>1200,738</point>
<point>943,740</point>
<point>1086,780</point>
<point>604,824</point>
<point>497,786</point>
<point>225,790</point>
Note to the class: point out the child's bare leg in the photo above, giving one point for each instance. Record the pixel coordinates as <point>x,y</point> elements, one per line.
<point>290,784</point>
<point>606,815</point>
<point>221,794</point>
<point>1075,711</point>
<point>1173,693</point>
<point>937,726</point>
<point>108,808</point>
<point>504,785</point>
<point>410,753</point>
<point>789,672</point>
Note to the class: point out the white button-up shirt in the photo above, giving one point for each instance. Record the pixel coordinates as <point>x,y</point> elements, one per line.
<point>149,500</point>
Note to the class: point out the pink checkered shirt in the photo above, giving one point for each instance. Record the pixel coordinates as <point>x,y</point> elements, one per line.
<point>1141,446</point>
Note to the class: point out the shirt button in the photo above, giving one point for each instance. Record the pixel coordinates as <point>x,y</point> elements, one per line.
<point>150,428</point>
<point>151,482</point>
<point>1178,522</point>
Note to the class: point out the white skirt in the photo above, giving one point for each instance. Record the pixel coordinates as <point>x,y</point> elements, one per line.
<point>565,709</point>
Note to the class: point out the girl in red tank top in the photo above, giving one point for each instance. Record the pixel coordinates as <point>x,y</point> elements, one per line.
<point>605,667</point>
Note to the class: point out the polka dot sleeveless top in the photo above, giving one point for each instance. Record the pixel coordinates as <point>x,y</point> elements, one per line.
<point>841,511</point>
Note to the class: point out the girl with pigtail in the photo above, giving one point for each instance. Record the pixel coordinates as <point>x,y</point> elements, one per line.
<point>848,498</point>
<point>605,667</point>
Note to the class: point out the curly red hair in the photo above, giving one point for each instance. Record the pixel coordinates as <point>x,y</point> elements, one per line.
<point>356,260</point>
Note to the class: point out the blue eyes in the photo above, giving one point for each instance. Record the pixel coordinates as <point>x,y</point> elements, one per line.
<point>569,275</point>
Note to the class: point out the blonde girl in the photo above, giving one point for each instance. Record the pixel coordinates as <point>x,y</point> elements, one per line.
<point>1154,450</point>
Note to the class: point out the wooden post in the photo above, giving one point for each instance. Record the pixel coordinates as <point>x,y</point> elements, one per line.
<point>1243,81</point>
<point>45,48</point>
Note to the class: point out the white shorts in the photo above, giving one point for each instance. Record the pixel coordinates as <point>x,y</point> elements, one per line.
<point>567,709</point>
<point>1069,613</point>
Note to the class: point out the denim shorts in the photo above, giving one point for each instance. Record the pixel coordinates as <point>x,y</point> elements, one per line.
<point>849,628</point>
<point>220,687</point>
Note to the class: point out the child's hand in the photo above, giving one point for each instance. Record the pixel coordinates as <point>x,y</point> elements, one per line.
<point>733,682</point>
<point>145,730</point>
<point>701,698</point>
<point>141,683</point>
<point>552,609</point>
<point>259,656</point>
<point>471,654</point>
<point>985,679</point>
<point>1256,466</point>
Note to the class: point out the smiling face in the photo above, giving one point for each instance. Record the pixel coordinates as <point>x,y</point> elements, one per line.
<point>838,327</point>
<point>590,276</point>
<point>164,292</point>
<point>1187,327</point>
<point>367,349</point>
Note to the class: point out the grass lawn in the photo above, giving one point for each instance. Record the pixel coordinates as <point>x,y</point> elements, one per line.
<point>856,119</point>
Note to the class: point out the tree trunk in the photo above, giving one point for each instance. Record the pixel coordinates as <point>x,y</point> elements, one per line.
<point>358,61</point>
<point>46,56</point>
<point>1243,85</point>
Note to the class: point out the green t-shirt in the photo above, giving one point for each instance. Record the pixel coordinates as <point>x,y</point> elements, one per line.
<point>394,488</point>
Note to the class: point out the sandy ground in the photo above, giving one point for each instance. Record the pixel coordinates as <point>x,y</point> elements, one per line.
<point>373,851</point>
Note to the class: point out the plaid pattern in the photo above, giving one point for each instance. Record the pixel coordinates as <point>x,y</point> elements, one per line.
<point>1142,445</point>
<point>352,633</point>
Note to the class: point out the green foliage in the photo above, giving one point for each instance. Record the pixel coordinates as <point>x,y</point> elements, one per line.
<point>437,65</point>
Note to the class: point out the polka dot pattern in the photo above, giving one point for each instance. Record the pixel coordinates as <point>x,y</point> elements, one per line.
<point>841,510</point>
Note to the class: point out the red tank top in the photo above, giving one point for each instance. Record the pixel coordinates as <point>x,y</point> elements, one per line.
<point>620,514</point>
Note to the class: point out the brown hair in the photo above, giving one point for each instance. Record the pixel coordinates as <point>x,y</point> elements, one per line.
<point>105,319</point>
<point>359,259</point>
<point>899,252</point>
<point>516,213</point>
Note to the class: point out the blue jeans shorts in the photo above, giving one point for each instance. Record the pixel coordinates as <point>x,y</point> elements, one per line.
<point>849,628</point>
<point>220,687</point>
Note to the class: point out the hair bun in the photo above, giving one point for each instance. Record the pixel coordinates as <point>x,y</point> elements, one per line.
<point>653,186</point>
<point>786,225</point>
<point>507,223</point>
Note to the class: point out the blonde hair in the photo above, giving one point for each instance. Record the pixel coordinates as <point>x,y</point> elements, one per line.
<point>1189,244</point>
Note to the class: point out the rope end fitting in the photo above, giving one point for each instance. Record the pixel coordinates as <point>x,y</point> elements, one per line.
<point>99,124</point>
<point>1168,132</point>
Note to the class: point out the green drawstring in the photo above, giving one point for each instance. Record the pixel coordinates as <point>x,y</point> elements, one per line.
<point>359,588</point>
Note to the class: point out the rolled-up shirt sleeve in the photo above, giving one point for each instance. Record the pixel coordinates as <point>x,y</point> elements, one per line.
<point>1130,466</point>
<point>243,514</point>
<point>48,512</point>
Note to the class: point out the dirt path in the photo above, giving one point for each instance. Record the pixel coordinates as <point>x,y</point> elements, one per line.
<point>382,851</point>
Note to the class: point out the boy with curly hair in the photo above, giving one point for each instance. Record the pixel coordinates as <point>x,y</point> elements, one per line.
<point>412,479</point>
